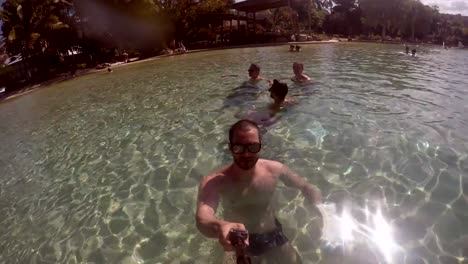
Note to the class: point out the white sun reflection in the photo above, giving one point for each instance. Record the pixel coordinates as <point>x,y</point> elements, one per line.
<point>382,236</point>
<point>377,232</point>
<point>347,227</point>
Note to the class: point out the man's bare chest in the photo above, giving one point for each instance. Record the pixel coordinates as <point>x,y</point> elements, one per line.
<point>258,192</point>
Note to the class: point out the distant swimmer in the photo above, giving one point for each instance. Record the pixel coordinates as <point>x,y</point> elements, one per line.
<point>407,49</point>
<point>413,52</point>
<point>299,76</point>
<point>254,75</point>
<point>293,48</point>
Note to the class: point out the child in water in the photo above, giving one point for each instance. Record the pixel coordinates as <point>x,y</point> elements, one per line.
<point>299,76</point>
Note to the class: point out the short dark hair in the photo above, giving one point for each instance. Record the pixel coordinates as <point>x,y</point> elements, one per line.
<point>243,124</point>
<point>254,67</point>
<point>280,89</point>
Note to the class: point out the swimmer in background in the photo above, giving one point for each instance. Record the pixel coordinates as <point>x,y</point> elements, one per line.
<point>413,52</point>
<point>278,92</point>
<point>407,49</point>
<point>299,76</point>
<point>254,75</point>
<point>293,48</point>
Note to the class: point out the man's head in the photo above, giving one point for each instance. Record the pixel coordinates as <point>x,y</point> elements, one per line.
<point>245,143</point>
<point>254,71</point>
<point>298,68</point>
<point>278,91</point>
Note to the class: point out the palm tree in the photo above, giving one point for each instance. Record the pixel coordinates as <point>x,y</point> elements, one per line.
<point>31,25</point>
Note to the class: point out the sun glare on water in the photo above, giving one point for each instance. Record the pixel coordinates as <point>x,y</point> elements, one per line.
<point>376,233</point>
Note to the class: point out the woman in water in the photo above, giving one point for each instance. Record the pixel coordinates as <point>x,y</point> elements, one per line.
<point>278,92</point>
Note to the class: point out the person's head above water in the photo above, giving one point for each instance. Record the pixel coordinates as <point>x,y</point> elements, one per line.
<point>278,91</point>
<point>298,68</point>
<point>245,143</point>
<point>254,71</point>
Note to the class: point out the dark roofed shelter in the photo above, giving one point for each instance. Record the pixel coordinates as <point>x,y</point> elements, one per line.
<point>254,6</point>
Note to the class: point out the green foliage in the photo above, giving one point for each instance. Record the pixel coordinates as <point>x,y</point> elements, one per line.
<point>33,26</point>
<point>7,76</point>
<point>53,27</point>
<point>345,17</point>
<point>383,13</point>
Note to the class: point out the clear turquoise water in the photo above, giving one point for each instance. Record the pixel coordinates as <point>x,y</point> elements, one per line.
<point>104,168</point>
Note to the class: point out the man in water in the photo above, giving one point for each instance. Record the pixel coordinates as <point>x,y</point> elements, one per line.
<point>299,76</point>
<point>246,189</point>
<point>254,75</point>
<point>413,52</point>
<point>407,49</point>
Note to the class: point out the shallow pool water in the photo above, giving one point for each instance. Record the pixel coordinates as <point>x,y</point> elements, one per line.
<point>105,168</point>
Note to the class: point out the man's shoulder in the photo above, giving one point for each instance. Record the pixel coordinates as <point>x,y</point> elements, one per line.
<point>272,165</point>
<point>215,176</point>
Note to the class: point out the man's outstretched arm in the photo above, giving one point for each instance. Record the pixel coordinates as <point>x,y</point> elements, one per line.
<point>207,223</point>
<point>208,199</point>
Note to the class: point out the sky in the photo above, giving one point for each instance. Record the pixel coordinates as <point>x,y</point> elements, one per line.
<point>449,6</point>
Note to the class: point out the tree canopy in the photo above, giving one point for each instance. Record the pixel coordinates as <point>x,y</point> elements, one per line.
<point>33,27</point>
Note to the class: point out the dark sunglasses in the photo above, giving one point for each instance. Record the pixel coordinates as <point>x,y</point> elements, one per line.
<point>240,148</point>
<point>251,70</point>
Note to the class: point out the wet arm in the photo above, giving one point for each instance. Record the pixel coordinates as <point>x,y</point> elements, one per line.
<point>292,179</point>
<point>208,199</point>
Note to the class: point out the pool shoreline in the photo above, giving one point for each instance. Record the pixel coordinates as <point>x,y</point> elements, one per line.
<point>29,89</point>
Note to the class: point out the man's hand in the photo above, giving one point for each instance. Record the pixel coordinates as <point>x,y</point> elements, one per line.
<point>312,194</point>
<point>224,228</point>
